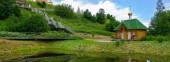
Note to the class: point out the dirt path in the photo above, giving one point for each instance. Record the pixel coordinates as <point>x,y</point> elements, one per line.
<point>96,37</point>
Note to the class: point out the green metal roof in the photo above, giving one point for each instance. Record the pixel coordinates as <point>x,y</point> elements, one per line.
<point>131,24</point>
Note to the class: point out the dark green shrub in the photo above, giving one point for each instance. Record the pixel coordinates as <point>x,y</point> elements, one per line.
<point>160,39</point>
<point>8,8</point>
<point>34,23</point>
<point>27,22</point>
<point>64,11</point>
<point>156,38</point>
<point>113,23</point>
<point>168,38</point>
<point>41,4</point>
<point>111,26</point>
<point>149,38</point>
<point>117,44</point>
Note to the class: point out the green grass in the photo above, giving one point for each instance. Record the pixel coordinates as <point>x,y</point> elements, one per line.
<point>145,47</point>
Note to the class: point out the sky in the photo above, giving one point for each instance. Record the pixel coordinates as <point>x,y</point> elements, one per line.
<point>141,9</point>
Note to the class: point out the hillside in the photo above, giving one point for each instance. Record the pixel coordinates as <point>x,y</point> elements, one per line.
<point>79,25</point>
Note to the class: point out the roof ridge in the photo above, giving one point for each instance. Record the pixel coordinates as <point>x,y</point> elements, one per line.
<point>132,24</point>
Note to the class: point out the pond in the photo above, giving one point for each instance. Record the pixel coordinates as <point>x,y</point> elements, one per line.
<point>48,57</point>
<point>72,56</point>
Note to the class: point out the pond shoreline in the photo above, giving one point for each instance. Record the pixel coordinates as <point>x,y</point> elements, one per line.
<point>136,56</point>
<point>21,49</point>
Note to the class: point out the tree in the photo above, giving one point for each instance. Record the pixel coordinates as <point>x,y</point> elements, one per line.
<point>78,10</point>
<point>160,6</point>
<point>109,16</point>
<point>160,23</point>
<point>8,8</point>
<point>101,16</point>
<point>79,14</point>
<point>87,14</point>
<point>112,24</point>
<point>94,19</point>
<point>64,11</point>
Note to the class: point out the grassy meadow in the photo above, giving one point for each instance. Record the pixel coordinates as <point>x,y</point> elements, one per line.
<point>143,47</point>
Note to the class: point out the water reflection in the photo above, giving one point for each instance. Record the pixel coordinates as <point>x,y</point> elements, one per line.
<point>53,57</point>
<point>59,55</point>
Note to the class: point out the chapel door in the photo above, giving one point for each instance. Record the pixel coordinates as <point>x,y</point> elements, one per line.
<point>122,35</point>
<point>129,35</point>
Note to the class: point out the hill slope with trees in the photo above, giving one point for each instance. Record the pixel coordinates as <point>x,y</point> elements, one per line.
<point>80,21</point>
<point>84,21</point>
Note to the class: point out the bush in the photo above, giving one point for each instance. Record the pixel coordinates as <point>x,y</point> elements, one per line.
<point>8,8</point>
<point>156,38</point>
<point>33,24</point>
<point>119,43</point>
<point>58,34</point>
<point>111,26</point>
<point>49,34</point>
<point>160,39</point>
<point>41,4</point>
<point>28,22</point>
<point>148,38</point>
<point>64,11</point>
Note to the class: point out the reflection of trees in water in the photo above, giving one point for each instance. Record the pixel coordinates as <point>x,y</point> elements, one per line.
<point>69,58</point>
<point>53,57</point>
<point>118,59</point>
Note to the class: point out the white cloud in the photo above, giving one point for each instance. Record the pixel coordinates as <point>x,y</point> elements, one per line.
<point>107,5</point>
<point>145,22</point>
<point>167,6</point>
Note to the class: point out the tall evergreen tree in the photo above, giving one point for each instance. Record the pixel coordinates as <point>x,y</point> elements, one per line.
<point>160,24</point>
<point>109,16</point>
<point>87,14</point>
<point>101,16</point>
<point>78,10</point>
<point>160,6</point>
